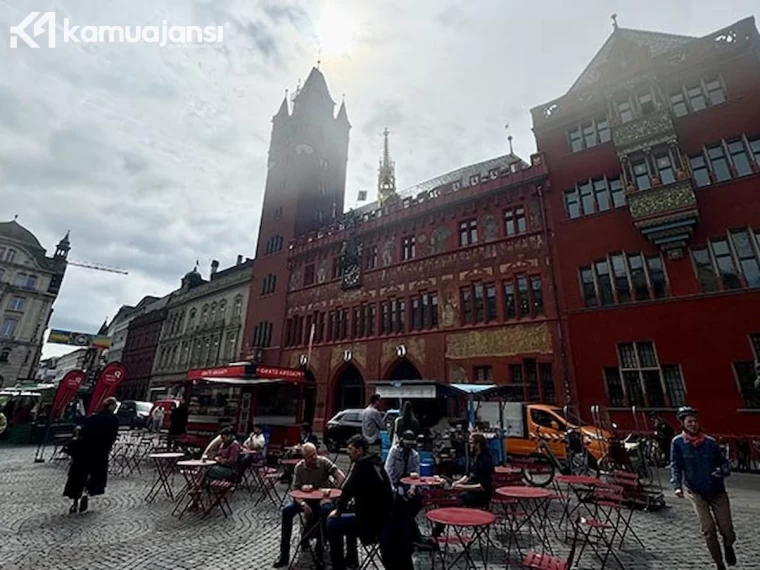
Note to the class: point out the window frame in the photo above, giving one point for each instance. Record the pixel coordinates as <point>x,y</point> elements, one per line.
<point>408,247</point>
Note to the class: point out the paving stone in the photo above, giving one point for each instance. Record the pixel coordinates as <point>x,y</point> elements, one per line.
<point>122,531</point>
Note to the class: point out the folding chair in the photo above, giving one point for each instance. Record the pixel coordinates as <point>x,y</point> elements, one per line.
<point>629,485</point>
<point>193,494</point>
<point>607,518</point>
<point>542,561</point>
<point>371,554</point>
<point>218,490</point>
<point>267,478</point>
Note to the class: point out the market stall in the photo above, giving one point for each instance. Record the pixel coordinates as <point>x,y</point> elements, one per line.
<point>241,395</point>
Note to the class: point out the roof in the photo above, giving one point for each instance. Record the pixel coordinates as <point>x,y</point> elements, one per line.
<point>16,232</point>
<point>317,84</point>
<point>462,174</point>
<point>657,42</point>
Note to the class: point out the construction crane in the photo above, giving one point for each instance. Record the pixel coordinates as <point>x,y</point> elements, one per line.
<point>98,267</point>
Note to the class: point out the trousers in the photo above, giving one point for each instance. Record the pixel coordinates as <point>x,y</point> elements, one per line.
<point>714,512</point>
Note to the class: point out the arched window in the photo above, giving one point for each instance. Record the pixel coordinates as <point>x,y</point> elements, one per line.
<point>204,315</point>
<point>10,256</point>
<point>222,309</point>
<point>238,306</point>
<point>5,355</point>
<point>212,318</point>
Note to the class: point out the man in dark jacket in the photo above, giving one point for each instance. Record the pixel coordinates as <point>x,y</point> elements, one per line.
<point>89,457</point>
<point>370,488</point>
<point>178,423</point>
<point>698,463</point>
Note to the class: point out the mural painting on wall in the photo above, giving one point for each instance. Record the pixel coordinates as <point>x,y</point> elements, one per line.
<point>457,375</point>
<point>534,212</point>
<point>449,308</point>
<point>490,227</point>
<point>438,239</point>
<point>387,252</point>
<point>322,271</point>
<point>505,341</point>
<point>295,280</point>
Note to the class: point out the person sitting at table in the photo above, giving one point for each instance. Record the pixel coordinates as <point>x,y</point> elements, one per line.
<point>402,461</point>
<point>256,441</point>
<point>370,489</point>
<point>320,473</point>
<point>214,446</point>
<point>478,483</point>
<point>227,458</point>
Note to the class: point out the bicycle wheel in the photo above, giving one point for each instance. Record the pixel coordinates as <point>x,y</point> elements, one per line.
<point>539,470</point>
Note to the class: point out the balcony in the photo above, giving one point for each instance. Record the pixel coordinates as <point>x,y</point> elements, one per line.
<point>666,215</point>
<point>644,132</point>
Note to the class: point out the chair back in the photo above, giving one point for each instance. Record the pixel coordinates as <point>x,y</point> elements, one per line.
<point>440,499</point>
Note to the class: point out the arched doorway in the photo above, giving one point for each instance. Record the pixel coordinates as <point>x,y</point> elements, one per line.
<point>404,370</point>
<point>349,389</point>
<point>309,398</point>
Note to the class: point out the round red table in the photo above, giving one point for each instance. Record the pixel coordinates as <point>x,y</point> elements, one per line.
<point>534,502</point>
<point>422,481</point>
<point>196,463</point>
<point>315,495</point>
<point>293,462</point>
<point>579,480</point>
<point>464,521</point>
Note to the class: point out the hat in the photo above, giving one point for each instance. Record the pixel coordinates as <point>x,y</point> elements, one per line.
<point>408,436</point>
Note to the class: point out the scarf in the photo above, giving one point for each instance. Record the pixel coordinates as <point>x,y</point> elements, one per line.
<point>695,440</point>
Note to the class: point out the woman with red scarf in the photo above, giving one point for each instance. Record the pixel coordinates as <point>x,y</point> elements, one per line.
<point>698,463</point>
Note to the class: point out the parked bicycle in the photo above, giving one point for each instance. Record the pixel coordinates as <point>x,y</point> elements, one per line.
<point>539,468</point>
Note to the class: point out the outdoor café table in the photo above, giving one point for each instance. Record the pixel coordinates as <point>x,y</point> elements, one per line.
<point>164,463</point>
<point>194,474</point>
<point>315,530</point>
<point>582,486</point>
<point>533,502</point>
<point>422,481</point>
<point>464,521</point>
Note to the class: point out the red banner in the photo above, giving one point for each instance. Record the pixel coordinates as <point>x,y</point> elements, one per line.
<point>108,381</point>
<point>66,391</point>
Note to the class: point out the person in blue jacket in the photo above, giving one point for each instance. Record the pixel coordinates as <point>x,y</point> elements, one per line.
<point>698,464</point>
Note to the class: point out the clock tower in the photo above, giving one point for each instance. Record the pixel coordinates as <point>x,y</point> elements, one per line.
<point>305,187</point>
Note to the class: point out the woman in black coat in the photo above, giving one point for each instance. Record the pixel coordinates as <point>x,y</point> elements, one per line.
<point>88,473</point>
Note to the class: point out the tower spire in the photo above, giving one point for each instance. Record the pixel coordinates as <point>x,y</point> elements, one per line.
<point>509,138</point>
<point>614,21</point>
<point>386,174</point>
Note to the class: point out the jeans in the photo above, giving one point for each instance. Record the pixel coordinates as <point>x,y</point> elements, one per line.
<point>711,511</point>
<point>337,528</point>
<point>290,512</point>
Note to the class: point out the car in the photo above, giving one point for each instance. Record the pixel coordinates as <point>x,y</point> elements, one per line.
<point>348,423</point>
<point>133,413</point>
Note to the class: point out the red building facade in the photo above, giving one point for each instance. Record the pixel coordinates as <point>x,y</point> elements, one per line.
<point>654,158</point>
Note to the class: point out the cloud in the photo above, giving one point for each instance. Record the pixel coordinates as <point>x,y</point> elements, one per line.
<point>154,158</point>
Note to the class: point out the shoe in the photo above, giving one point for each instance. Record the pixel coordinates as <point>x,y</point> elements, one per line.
<point>730,555</point>
<point>84,504</point>
<point>280,563</point>
<point>73,508</point>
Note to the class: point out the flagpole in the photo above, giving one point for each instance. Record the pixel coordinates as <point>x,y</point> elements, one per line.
<point>311,343</point>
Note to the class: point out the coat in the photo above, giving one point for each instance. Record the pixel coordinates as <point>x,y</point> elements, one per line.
<point>89,455</point>
<point>370,488</point>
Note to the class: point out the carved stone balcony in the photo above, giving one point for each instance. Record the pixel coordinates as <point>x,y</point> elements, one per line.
<point>666,215</point>
<point>645,132</point>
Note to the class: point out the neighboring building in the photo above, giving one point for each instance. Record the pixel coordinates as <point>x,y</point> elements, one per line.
<point>29,285</point>
<point>654,158</point>
<point>46,370</point>
<point>204,325</point>
<point>139,351</point>
<point>74,360</point>
<point>118,329</point>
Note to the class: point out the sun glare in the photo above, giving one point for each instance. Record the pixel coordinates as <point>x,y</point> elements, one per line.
<point>335,31</point>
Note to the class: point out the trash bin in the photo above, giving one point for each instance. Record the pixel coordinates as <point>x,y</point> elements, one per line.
<point>426,469</point>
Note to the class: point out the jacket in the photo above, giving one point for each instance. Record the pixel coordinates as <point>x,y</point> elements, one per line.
<point>370,488</point>
<point>401,462</point>
<point>694,467</point>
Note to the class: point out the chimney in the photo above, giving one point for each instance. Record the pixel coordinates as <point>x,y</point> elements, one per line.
<point>239,260</point>
<point>214,266</point>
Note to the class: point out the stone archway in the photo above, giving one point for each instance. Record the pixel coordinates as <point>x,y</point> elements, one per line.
<point>349,389</point>
<point>403,369</point>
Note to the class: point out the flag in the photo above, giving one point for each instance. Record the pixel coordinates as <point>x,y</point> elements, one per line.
<point>67,389</point>
<point>108,382</point>
<point>311,342</point>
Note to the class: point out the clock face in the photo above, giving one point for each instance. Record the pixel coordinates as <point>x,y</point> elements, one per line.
<point>352,277</point>
<point>304,149</point>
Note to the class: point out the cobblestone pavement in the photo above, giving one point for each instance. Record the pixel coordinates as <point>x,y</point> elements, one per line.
<point>122,531</point>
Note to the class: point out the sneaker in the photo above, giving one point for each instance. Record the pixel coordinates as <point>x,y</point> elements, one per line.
<point>280,563</point>
<point>84,504</point>
<point>730,556</point>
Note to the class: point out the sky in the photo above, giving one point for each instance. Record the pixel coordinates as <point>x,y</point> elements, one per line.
<point>154,157</point>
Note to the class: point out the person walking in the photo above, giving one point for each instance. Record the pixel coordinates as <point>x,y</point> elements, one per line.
<point>372,424</point>
<point>697,463</point>
<point>178,424</point>
<point>88,473</point>
<point>407,421</point>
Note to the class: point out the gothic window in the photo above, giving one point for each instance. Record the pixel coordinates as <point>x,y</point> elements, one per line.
<point>10,255</point>
<point>308,275</point>
<point>238,309</point>
<point>370,257</point>
<point>408,248</point>
<point>622,278</point>
<point>468,232</point>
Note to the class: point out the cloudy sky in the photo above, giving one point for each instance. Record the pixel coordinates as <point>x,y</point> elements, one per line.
<point>155,157</point>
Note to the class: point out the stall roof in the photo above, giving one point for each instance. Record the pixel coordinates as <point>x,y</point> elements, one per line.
<point>484,390</point>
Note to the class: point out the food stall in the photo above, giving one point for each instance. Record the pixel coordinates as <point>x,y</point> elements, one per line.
<point>241,395</point>
<point>24,405</point>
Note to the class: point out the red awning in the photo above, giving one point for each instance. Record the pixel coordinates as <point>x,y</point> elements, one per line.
<point>248,381</point>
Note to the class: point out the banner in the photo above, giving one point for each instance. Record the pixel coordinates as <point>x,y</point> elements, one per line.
<point>108,381</point>
<point>72,338</point>
<point>67,389</point>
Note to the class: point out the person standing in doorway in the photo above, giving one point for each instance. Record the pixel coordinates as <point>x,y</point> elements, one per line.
<point>178,424</point>
<point>88,473</point>
<point>697,463</point>
<point>372,424</point>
